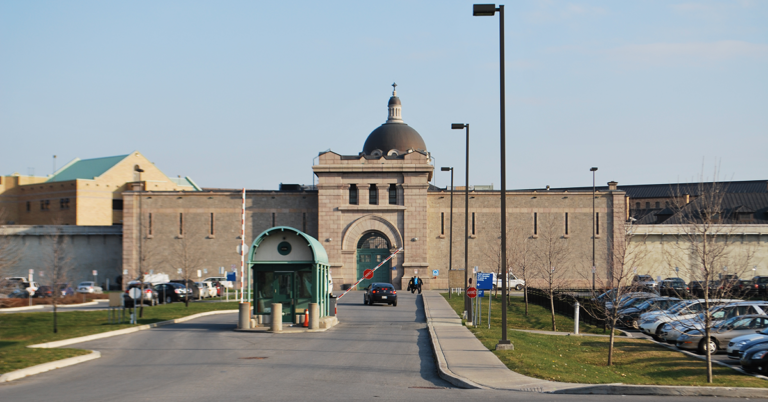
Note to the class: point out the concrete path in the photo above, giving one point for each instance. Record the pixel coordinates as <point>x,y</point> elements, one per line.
<point>465,362</point>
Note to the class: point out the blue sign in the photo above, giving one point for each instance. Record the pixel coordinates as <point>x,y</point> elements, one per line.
<point>435,272</point>
<point>484,281</point>
<point>231,277</point>
<point>480,293</point>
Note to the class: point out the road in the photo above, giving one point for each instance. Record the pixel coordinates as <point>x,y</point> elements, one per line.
<point>376,353</point>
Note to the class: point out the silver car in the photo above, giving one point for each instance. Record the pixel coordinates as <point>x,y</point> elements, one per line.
<point>723,333</point>
<point>670,332</point>
<point>89,287</point>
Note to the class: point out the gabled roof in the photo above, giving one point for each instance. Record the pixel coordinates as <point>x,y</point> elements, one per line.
<point>86,168</point>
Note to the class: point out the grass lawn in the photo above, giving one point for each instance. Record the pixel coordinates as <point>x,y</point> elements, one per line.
<point>21,329</point>
<point>583,358</point>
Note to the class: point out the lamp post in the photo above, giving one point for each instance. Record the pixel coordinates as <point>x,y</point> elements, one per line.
<point>594,268</point>
<point>488,10</point>
<point>450,236</point>
<point>467,308</point>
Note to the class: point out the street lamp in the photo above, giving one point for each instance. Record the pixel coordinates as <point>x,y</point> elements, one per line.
<point>594,268</point>
<point>450,239</point>
<point>488,10</point>
<point>467,308</point>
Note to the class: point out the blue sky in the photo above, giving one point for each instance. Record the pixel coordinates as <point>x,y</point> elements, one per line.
<point>246,93</point>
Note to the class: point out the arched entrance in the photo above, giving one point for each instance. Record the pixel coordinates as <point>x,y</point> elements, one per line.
<point>372,249</point>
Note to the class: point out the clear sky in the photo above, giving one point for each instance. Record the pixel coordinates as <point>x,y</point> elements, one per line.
<point>246,93</point>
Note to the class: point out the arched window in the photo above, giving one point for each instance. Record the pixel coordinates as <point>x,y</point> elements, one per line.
<point>373,240</point>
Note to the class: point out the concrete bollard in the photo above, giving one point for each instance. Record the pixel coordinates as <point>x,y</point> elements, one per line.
<point>277,317</point>
<point>576,318</point>
<point>244,321</point>
<point>314,316</point>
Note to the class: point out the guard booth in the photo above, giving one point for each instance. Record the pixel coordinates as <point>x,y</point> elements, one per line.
<point>290,267</point>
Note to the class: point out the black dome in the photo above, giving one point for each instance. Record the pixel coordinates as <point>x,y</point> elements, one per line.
<point>389,136</point>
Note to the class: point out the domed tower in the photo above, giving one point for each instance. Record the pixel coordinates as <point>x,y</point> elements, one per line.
<point>394,137</point>
<point>365,201</point>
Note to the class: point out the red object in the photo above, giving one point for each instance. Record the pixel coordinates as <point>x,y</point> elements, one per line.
<point>471,293</point>
<point>368,274</point>
<point>306,318</point>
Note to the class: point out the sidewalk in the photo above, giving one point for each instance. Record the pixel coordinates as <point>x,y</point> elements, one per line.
<point>463,361</point>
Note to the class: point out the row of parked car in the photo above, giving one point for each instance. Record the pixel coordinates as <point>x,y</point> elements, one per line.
<point>737,327</point>
<point>21,288</point>
<point>728,284</point>
<point>173,291</point>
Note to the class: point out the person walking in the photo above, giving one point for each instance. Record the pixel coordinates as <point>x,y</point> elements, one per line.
<point>417,281</point>
<point>411,284</point>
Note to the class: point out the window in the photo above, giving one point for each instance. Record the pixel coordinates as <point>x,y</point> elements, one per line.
<point>213,227</point>
<point>473,223</point>
<point>373,195</point>
<point>566,223</point>
<point>304,222</point>
<point>658,204</point>
<point>647,205</point>
<point>353,194</point>
<point>117,205</point>
<point>45,205</point>
<point>535,223</point>
<point>637,205</point>
<point>29,206</point>
<point>393,194</point>
<point>273,219</point>
<point>666,204</point>
<point>181,224</point>
<point>64,203</point>
<point>597,223</point>
<point>442,223</point>
<point>149,224</point>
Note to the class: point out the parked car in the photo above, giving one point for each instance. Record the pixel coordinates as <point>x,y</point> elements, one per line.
<point>670,332</point>
<point>626,297</point>
<point>18,294</point>
<point>745,288</point>
<point>190,285</point>
<point>722,334</point>
<point>221,280</point>
<point>512,282</point>
<point>745,341</point>
<point>673,287</point>
<point>755,359</point>
<point>760,285</point>
<point>643,282</point>
<point>380,293</point>
<point>89,287</point>
<point>652,323</point>
<point>696,288</point>
<point>630,316</point>
<point>205,289</point>
<point>148,297</point>
<point>172,292</point>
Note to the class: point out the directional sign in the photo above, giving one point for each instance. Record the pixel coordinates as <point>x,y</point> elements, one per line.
<point>368,274</point>
<point>481,293</point>
<point>484,281</point>
<point>471,293</point>
<point>231,276</point>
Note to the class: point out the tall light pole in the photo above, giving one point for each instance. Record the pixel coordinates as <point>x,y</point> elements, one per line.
<point>488,10</point>
<point>467,307</point>
<point>594,229</point>
<point>450,237</point>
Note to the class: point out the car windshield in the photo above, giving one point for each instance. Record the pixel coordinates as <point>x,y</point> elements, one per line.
<point>763,280</point>
<point>735,322</point>
<point>644,305</point>
<point>679,306</point>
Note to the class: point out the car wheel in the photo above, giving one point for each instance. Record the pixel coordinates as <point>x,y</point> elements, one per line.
<point>168,300</point>
<point>634,324</point>
<point>519,287</point>
<point>365,301</point>
<point>712,346</point>
<point>657,337</point>
<point>394,303</point>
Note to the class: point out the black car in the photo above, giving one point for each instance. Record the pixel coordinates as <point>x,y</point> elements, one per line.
<point>673,287</point>
<point>18,294</point>
<point>760,284</point>
<point>380,293</point>
<point>755,359</point>
<point>629,316</point>
<point>149,296</point>
<point>171,292</point>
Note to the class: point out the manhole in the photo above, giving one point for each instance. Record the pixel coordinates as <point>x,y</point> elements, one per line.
<point>253,358</point>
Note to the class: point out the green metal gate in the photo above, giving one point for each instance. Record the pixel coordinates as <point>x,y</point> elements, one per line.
<point>372,249</point>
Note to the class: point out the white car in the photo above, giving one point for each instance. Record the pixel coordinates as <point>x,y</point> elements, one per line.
<point>734,346</point>
<point>512,282</point>
<point>652,323</point>
<point>89,287</point>
<point>206,290</point>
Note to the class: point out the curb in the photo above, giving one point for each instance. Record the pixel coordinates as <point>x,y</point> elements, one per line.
<point>65,342</point>
<point>41,368</point>
<point>442,367</point>
<point>35,307</point>
<point>666,390</point>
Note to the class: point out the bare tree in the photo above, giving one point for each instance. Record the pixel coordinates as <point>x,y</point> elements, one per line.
<point>521,258</point>
<point>623,256</point>
<point>706,251</point>
<point>550,253</point>
<point>57,266</point>
<point>149,259</point>
<point>188,251</point>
